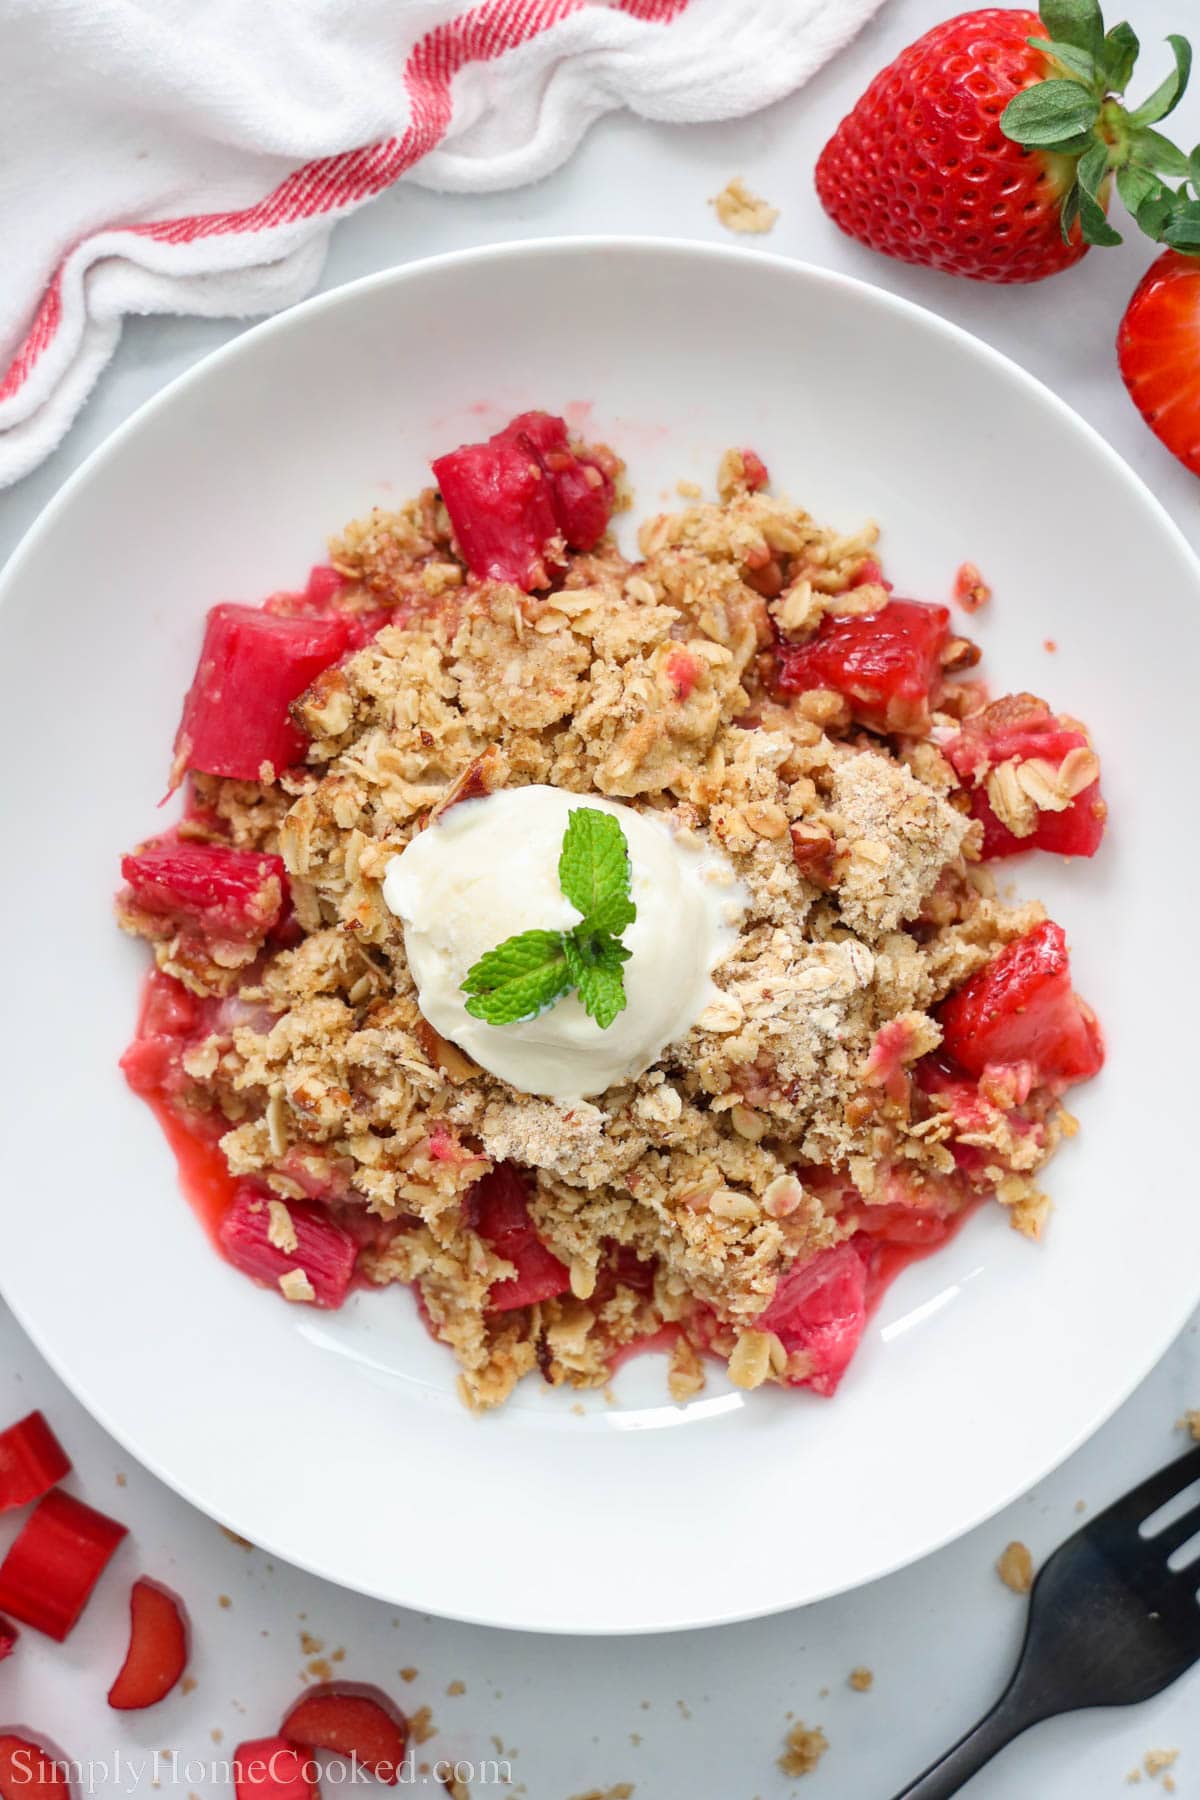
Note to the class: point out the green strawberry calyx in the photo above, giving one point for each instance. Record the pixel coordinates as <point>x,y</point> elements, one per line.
<point>1079,111</point>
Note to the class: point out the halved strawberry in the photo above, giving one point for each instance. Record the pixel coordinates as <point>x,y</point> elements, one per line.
<point>323,1251</point>
<point>355,1721</point>
<point>887,664</point>
<point>1158,347</point>
<point>224,894</point>
<point>820,1308</point>
<point>498,1210</point>
<point>1021,729</point>
<point>158,1648</point>
<point>253,664</point>
<point>1021,1009</point>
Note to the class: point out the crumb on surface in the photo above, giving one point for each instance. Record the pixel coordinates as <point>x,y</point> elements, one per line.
<point>861,1680</point>
<point>1081,1506</point>
<point>1157,1762</point>
<point>623,1790</point>
<point>740,210</point>
<point>971,591</point>
<point>455,1688</point>
<point>122,1481</point>
<point>224,1601</point>
<point>421,1725</point>
<point>1050,644</point>
<point>803,1750</point>
<point>188,1685</point>
<point>689,490</point>
<point>1015,1567</point>
<point>408,1673</point>
<point>1190,1422</point>
<point>310,1645</point>
<point>320,1669</point>
<point>235,1538</point>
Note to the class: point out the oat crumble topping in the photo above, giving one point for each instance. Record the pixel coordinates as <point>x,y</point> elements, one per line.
<point>740,210</point>
<point>1015,1567</point>
<point>803,1750</point>
<point>789,1120</point>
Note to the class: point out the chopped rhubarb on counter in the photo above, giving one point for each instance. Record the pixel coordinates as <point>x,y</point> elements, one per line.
<point>498,1208</point>
<point>231,895</point>
<point>53,1565</point>
<point>253,664</point>
<point>323,1253</point>
<point>886,664</point>
<point>1021,1009</point>
<point>510,499</point>
<point>32,1461</point>
<point>821,1310</point>
<point>32,1771</point>
<point>272,1769</point>
<point>8,1638</point>
<point>355,1721</point>
<point>1033,778</point>
<point>158,1649</point>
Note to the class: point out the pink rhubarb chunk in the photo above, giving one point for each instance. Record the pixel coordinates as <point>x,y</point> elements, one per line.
<point>224,894</point>
<point>516,499</point>
<point>324,1252</point>
<point>1021,1009</point>
<point>821,1310</point>
<point>1018,729</point>
<point>253,664</point>
<point>499,1211</point>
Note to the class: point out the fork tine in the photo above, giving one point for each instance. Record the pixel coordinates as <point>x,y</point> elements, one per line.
<point>1138,1505</point>
<point>1164,1543</point>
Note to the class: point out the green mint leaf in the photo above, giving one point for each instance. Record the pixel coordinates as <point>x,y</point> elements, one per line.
<point>594,959</point>
<point>594,871</point>
<point>1077,63</point>
<point>1041,115</point>
<point>1168,94</point>
<point>519,979</point>
<point>1077,22</point>
<point>1156,152</point>
<point>1091,177</point>
<point>1119,55</point>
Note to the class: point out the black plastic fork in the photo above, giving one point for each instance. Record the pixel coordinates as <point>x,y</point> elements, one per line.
<point>1109,1624</point>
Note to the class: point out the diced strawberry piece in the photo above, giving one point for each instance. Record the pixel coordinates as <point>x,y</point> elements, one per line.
<point>1021,1008</point>
<point>324,1252</point>
<point>32,1461</point>
<point>821,1310</point>
<point>234,895</point>
<point>158,1649</point>
<point>1018,729</point>
<point>272,1769</point>
<point>754,470</point>
<point>355,1721</point>
<point>47,1577</point>
<point>253,664</point>
<point>8,1638</point>
<point>887,664</point>
<point>499,1211</point>
<point>499,500</point>
<point>32,1771</point>
<point>581,487</point>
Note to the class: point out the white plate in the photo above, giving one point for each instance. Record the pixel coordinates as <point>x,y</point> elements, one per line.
<point>337,1442</point>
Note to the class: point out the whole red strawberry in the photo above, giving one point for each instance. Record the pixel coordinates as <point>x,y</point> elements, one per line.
<point>1158,346</point>
<point>988,147</point>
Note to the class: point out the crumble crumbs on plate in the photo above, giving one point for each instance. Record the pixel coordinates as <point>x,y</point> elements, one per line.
<point>740,210</point>
<point>861,1680</point>
<point>817,1115</point>
<point>1015,1568</point>
<point>803,1750</point>
<point>1190,1423</point>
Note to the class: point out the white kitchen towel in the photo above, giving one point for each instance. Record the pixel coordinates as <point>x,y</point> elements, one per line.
<point>193,155</point>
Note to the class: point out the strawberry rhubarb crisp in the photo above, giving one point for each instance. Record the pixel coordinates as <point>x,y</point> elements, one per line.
<point>606,948</point>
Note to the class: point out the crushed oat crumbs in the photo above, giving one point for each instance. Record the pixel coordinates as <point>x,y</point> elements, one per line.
<point>188,1685</point>
<point>689,490</point>
<point>622,1791</point>
<point>310,1645</point>
<point>235,1538</point>
<point>216,1734</point>
<point>320,1668</point>
<point>1081,1506</point>
<point>408,1673</point>
<point>1157,1762</point>
<point>803,1750</point>
<point>421,1725</point>
<point>740,210</point>
<point>456,1688</point>
<point>1190,1423</point>
<point>223,1600</point>
<point>861,1680</point>
<point>338,1655</point>
<point>1015,1567</point>
<point>122,1481</point>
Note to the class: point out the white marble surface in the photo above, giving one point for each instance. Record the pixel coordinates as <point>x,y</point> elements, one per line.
<point>696,1717</point>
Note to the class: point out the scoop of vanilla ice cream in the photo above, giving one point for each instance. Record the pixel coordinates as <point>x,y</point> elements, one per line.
<point>488,869</point>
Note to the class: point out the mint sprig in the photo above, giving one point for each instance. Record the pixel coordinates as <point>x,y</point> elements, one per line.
<point>528,973</point>
<point>1081,113</point>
